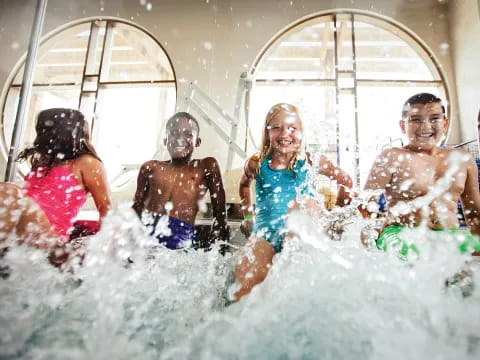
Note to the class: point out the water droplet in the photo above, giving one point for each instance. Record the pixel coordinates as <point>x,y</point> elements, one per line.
<point>208,45</point>
<point>444,48</point>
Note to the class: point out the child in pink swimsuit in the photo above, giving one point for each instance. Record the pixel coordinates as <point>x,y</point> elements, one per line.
<point>65,167</point>
<point>58,194</point>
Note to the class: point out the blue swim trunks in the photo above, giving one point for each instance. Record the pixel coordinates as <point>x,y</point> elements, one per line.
<point>171,232</point>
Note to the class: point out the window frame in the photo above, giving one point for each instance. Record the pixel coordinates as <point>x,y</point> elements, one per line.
<point>382,22</point>
<point>9,84</point>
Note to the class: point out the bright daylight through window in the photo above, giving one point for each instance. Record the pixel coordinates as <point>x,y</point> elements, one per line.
<point>349,73</point>
<point>116,74</point>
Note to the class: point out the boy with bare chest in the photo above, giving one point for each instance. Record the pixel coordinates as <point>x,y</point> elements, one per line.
<point>169,192</point>
<point>422,181</point>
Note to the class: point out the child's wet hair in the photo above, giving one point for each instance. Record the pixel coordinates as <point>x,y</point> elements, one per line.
<point>61,135</point>
<point>422,99</point>
<point>265,146</point>
<point>183,115</point>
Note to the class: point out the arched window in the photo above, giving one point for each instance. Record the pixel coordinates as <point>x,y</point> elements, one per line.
<point>350,74</point>
<point>118,75</point>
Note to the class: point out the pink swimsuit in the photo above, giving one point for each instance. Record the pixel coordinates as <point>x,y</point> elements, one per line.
<point>58,194</point>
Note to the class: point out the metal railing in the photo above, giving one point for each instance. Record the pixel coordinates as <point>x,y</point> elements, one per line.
<point>197,101</point>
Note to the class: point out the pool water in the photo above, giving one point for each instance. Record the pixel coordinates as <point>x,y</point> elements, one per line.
<point>322,299</point>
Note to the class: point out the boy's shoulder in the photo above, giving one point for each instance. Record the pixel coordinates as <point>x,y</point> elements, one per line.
<point>442,152</point>
<point>208,163</point>
<point>393,154</point>
<point>152,165</point>
<point>450,150</point>
<point>458,154</point>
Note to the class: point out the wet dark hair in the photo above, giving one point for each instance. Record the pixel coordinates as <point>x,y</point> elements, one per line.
<point>62,135</point>
<point>423,99</point>
<point>183,115</point>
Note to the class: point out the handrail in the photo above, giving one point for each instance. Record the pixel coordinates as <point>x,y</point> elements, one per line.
<point>218,122</point>
<point>218,126</point>
<point>211,102</point>
<point>465,143</point>
<point>25,90</point>
<point>219,130</point>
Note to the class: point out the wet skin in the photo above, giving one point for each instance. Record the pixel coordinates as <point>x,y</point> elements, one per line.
<point>411,171</point>
<point>177,186</point>
<point>284,133</point>
<point>22,218</point>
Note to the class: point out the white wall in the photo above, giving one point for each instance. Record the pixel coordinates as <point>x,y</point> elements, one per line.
<point>237,30</point>
<point>464,16</point>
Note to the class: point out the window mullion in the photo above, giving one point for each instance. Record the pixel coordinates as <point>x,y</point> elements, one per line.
<point>355,99</point>
<point>337,88</point>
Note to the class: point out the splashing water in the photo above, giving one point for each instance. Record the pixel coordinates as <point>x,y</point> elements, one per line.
<point>321,299</point>
<point>109,307</point>
<point>330,300</point>
<point>454,160</point>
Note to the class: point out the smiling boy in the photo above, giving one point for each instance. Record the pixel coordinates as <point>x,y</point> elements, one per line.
<point>174,188</point>
<point>409,173</point>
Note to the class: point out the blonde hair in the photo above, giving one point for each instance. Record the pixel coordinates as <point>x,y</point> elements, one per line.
<point>265,146</point>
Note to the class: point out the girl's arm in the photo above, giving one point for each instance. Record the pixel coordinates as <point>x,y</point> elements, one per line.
<point>248,176</point>
<point>327,168</point>
<point>94,180</point>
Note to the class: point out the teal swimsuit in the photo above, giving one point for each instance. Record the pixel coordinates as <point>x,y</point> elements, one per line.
<point>274,190</point>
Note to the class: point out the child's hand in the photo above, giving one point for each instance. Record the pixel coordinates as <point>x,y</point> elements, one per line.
<point>369,236</point>
<point>246,227</point>
<point>335,230</point>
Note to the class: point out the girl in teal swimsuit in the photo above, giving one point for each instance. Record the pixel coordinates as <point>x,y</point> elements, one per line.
<point>279,174</point>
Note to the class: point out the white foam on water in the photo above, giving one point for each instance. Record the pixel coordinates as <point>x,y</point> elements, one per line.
<point>321,299</point>
<point>337,300</point>
<point>108,307</point>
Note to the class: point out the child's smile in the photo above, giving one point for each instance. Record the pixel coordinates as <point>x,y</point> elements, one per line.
<point>285,133</point>
<point>425,126</point>
<point>182,138</point>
